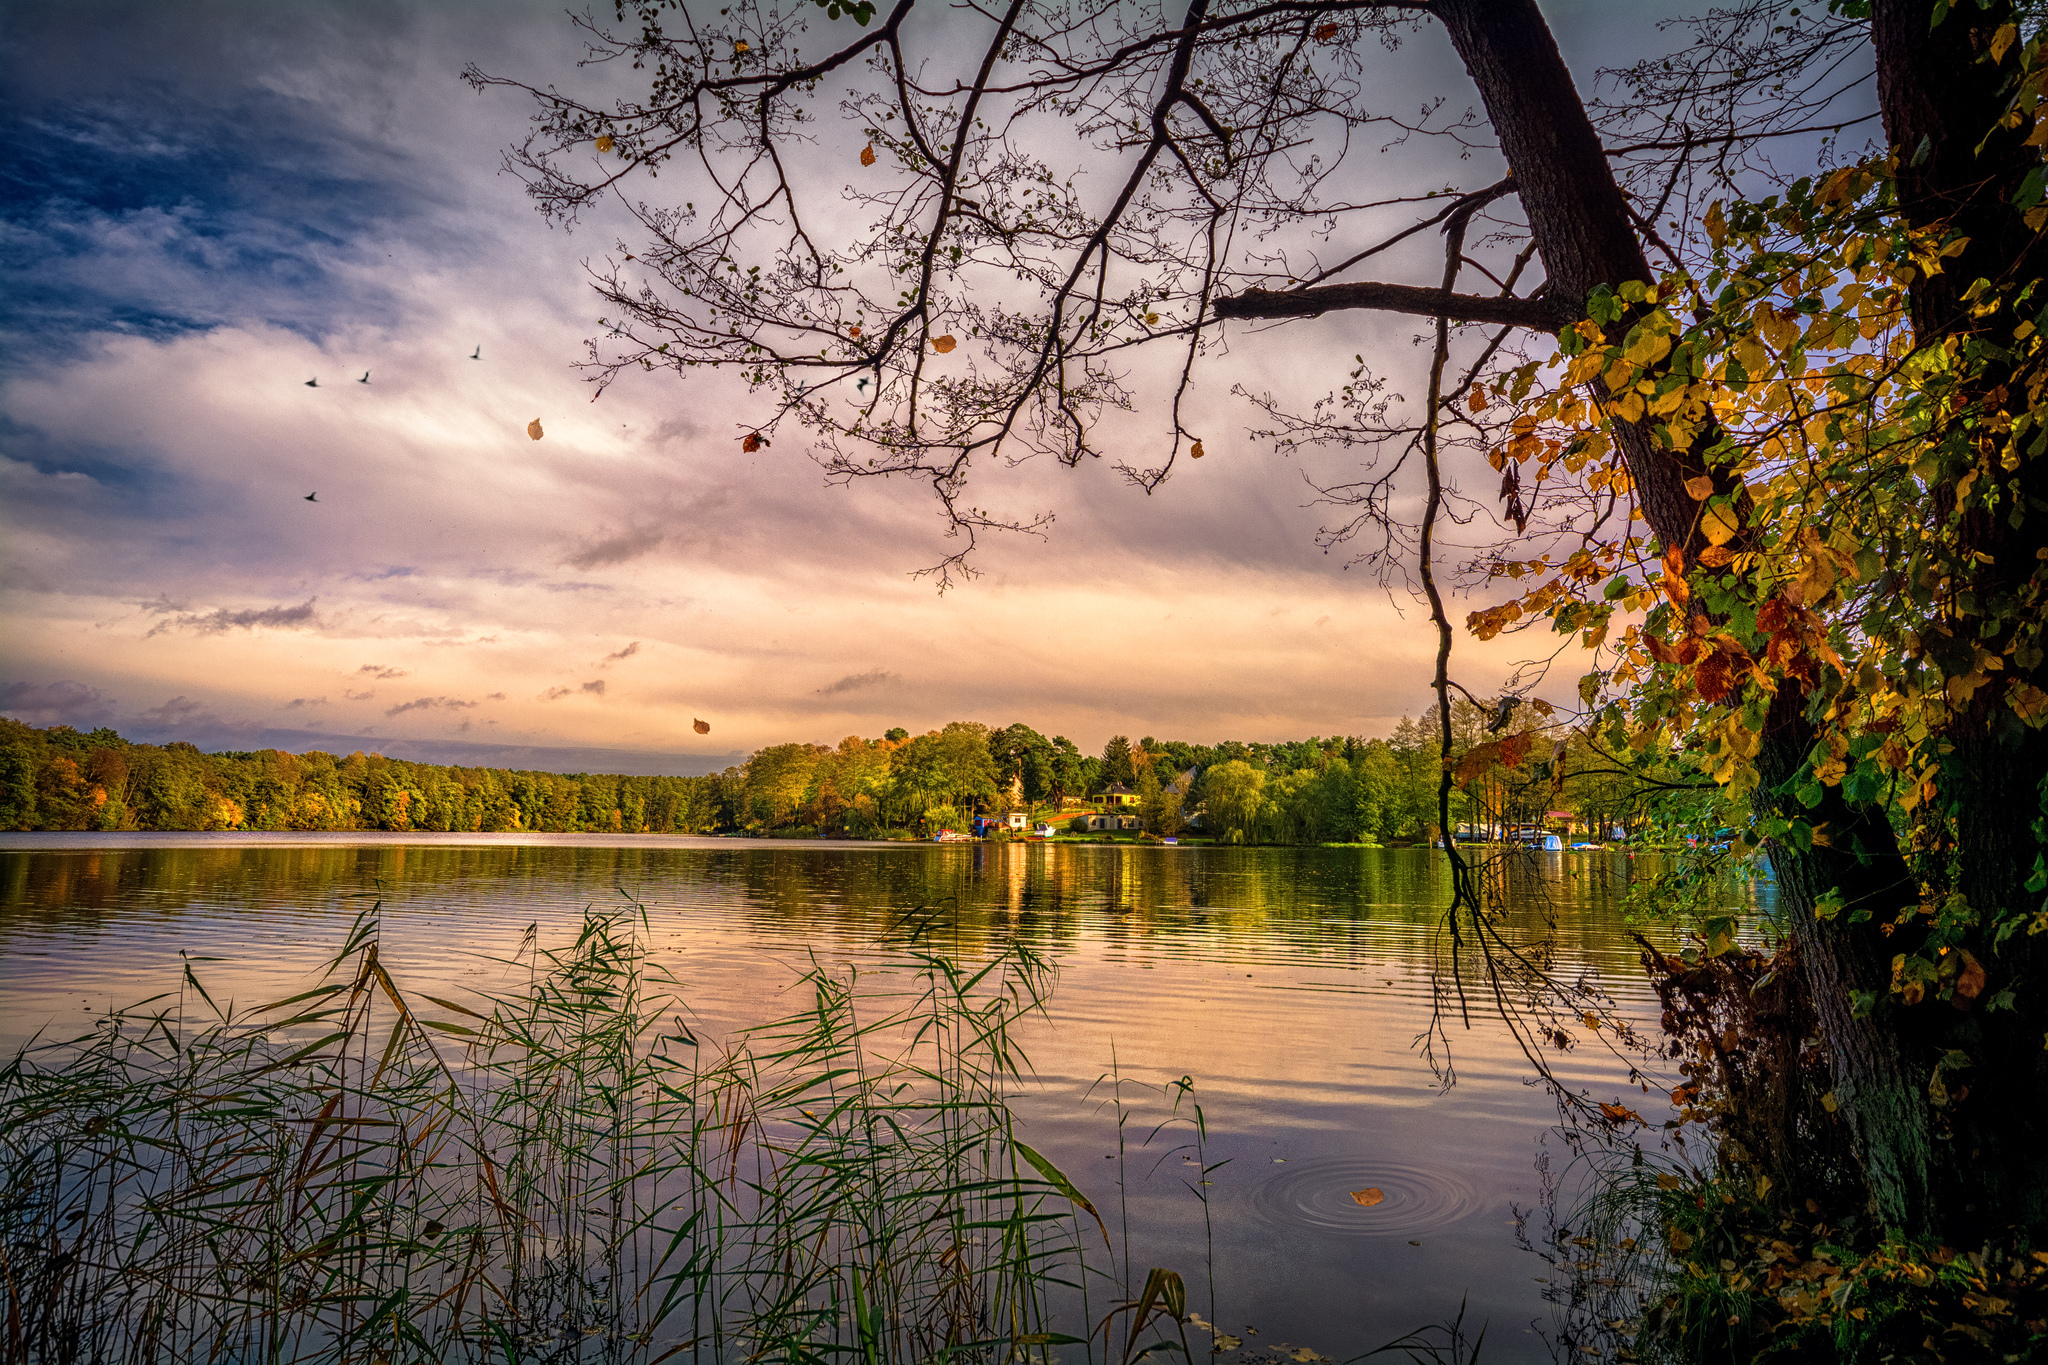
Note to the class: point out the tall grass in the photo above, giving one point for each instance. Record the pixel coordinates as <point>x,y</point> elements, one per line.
<point>562,1171</point>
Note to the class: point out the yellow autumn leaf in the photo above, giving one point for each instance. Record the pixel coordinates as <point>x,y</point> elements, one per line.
<point>1195,451</point>
<point>1367,1197</point>
<point>1151,319</point>
<point>741,46</point>
<point>2002,41</point>
<point>1718,525</point>
<point>604,144</point>
<point>533,428</point>
<point>945,343</point>
<point>867,155</point>
<point>1700,487</point>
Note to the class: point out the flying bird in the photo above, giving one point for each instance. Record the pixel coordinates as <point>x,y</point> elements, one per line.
<point>313,383</point>
<point>702,727</point>
<point>533,428</point>
<point>312,497</point>
<point>477,354</point>
<point>860,386</point>
<point>365,379</point>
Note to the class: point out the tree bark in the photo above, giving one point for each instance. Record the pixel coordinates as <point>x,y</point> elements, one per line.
<point>1941,97</point>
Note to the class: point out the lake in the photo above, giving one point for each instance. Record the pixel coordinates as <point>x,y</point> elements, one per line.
<point>1290,986</point>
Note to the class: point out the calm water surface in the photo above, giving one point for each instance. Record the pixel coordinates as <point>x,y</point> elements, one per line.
<point>1289,984</point>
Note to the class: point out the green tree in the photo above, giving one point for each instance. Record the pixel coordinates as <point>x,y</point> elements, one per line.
<point>1233,802</point>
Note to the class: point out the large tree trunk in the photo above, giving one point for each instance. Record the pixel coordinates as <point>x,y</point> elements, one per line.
<point>1883,1060</point>
<point>1941,98</point>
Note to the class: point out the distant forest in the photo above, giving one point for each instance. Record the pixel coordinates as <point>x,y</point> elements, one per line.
<point>1315,790</point>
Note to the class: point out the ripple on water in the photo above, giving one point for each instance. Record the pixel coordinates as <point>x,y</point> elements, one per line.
<point>1316,1192</point>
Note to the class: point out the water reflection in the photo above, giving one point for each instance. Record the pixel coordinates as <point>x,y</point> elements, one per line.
<point>1288,984</point>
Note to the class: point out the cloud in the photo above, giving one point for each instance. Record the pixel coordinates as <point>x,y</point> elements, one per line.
<point>595,687</point>
<point>429,704</point>
<point>297,702</point>
<point>495,696</point>
<point>181,712</point>
<point>359,696</point>
<point>381,673</point>
<point>628,652</point>
<point>618,549</point>
<point>221,619</point>
<point>856,682</point>
<point>556,693</point>
<point>57,703</point>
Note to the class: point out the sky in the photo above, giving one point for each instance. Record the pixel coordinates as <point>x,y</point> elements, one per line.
<point>208,204</point>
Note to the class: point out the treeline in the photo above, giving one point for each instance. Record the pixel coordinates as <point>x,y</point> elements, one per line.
<point>1335,790</point>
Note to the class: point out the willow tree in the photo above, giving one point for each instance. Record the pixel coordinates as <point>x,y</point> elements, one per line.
<point>934,242</point>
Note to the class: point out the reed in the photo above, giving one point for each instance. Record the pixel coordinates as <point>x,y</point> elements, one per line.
<point>561,1172</point>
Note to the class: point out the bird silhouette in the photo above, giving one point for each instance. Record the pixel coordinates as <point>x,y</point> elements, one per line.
<point>860,386</point>
<point>477,354</point>
<point>365,379</point>
<point>313,383</point>
<point>312,497</point>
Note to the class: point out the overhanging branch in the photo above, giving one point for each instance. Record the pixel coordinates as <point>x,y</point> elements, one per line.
<point>1538,314</point>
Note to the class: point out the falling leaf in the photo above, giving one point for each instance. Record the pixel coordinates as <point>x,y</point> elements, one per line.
<point>945,343</point>
<point>533,428</point>
<point>1195,451</point>
<point>1367,1197</point>
<point>853,332</point>
<point>702,727</point>
<point>1326,33</point>
<point>604,144</point>
<point>1700,488</point>
<point>867,155</point>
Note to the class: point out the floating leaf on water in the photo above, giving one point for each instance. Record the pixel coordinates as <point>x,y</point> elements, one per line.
<point>867,155</point>
<point>604,144</point>
<point>702,727</point>
<point>1225,1342</point>
<point>533,428</point>
<point>1367,1197</point>
<point>945,343</point>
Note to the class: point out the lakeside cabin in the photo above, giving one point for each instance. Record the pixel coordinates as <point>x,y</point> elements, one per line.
<point>1117,794</point>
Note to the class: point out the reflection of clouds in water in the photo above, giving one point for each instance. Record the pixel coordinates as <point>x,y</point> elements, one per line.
<point>1315,1194</point>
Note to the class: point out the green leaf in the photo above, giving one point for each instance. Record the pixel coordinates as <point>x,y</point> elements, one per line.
<point>1057,1178</point>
